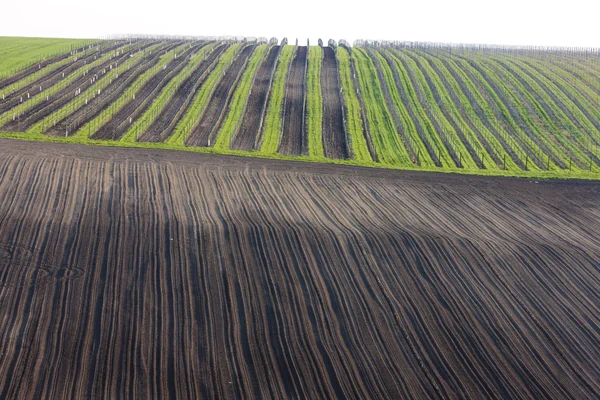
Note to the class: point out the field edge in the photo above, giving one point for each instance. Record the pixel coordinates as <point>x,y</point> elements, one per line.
<point>552,175</point>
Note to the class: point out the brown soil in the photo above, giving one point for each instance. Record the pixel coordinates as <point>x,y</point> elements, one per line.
<point>334,135</point>
<point>293,134</point>
<point>150,274</point>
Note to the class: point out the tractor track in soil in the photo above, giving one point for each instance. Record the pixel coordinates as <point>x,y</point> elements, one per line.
<point>205,131</point>
<point>120,122</point>
<point>251,125</point>
<point>335,142</point>
<point>293,133</point>
<point>174,110</point>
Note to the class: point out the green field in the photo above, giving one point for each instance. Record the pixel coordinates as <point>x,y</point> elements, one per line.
<point>485,111</point>
<point>15,53</point>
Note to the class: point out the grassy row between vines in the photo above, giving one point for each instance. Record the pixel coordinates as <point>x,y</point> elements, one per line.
<point>360,149</point>
<point>273,119</point>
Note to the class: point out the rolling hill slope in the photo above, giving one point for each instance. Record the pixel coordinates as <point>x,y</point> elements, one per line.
<point>485,110</point>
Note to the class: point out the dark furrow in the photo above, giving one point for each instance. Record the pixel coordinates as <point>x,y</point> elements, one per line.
<point>144,274</point>
<point>293,139</point>
<point>248,134</point>
<point>204,133</point>
<point>335,143</point>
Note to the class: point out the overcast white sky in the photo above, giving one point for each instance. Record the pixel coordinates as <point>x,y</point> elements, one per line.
<point>564,23</point>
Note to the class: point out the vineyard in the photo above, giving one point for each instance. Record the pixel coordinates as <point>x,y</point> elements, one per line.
<point>487,110</point>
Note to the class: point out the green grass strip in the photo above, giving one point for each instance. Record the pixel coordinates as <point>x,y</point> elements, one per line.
<point>354,123</point>
<point>445,112</point>
<point>421,104</point>
<point>18,53</point>
<point>95,124</point>
<point>531,108</point>
<point>273,120</point>
<point>44,72</point>
<point>404,110</point>
<point>566,99</point>
<point>465,111</point>
<point>105,115</point>
<point>492,94</point>
<point>314,102</point>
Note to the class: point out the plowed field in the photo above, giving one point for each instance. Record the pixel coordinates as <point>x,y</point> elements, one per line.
<point>150,274</point>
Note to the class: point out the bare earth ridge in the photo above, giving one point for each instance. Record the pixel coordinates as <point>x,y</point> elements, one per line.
<point>149,274</point>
